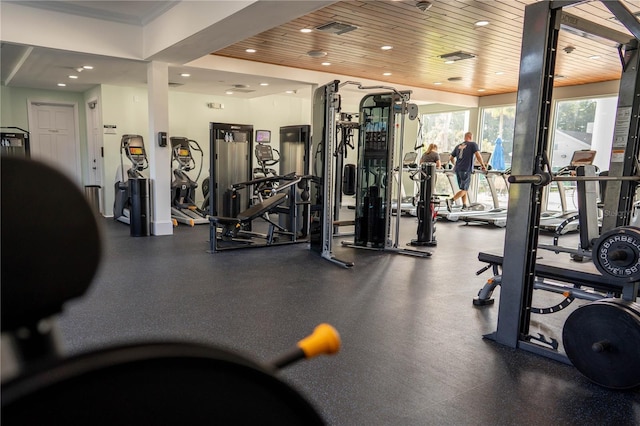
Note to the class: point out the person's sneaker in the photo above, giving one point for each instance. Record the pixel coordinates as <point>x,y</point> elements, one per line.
<point>449,202</point>
<point>465,208</point>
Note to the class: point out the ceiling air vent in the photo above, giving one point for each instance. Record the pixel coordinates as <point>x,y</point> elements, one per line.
<point>457,56</point>
<point>240,90</point>
<point>336,28</point>
<point>175,84</point>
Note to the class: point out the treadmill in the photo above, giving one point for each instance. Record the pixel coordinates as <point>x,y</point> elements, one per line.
<point>566,221</point>
<point>556,222</point>
<point>408,203</point>
<point>456,212</point>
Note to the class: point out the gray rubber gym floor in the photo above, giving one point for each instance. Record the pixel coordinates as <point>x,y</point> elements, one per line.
<point>413,352</point>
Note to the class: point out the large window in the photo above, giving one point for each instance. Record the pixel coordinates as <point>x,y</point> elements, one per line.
<point>496,137</point>
<point>580,124</point>
<point>446,130</point>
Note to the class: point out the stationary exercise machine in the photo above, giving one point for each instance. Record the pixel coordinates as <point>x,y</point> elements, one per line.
<point>295,142</point>
<point>426,205</point>
<point>408,202</point>
<point>379,143</point>
<point>131,204</point>
<point>600,338</point>
<point>230,162</point>
<point>326,107</point>
<point>155,382</point>
<point>183,188</point>
<point>265,160</point>
<point>235,232</point>
<point>14,141</point>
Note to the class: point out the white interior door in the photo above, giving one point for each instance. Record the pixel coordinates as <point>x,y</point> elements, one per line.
<point>53,137</point>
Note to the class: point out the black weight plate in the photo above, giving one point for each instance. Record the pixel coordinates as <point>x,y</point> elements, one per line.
<point>609,320</point>
<point>616,254</point>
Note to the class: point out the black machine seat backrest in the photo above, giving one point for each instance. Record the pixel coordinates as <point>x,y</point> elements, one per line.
<point>50,242</point>
<point>261,208</point>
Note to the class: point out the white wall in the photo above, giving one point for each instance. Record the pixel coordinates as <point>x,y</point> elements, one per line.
<point>189,116</point>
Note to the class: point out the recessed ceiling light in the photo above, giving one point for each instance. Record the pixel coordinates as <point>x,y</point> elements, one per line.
<point>449,62</point>
<point>386,47</point>
<point>184,74</point>
<point>481,90</point>
<point>594,57</point>
<point>290,91</point>
<point>386,73</point>
<point>499,72</point>
<point>264,84</point>
<point>61,84</point>
<point>437,83</point>
<point>87,67</point>
<point>306,30</point>
<point>73,76</point>
<point>326,64</point>
<point>228,92</point>
<point>481,23</point>
<point>250,50</point>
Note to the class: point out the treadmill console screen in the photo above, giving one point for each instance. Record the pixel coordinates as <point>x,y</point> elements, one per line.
<point>263,136</point>
<point>135,150</point>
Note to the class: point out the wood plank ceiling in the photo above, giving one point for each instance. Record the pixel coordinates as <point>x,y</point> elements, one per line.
<point>419,39</point>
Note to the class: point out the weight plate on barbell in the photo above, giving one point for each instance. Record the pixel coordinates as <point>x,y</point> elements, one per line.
<point>616,254</point>
<point>602,340</point>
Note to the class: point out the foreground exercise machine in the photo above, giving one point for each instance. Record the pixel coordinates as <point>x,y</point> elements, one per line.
<point>131,205</point>
<point>600,338</point>
<point>183,189</point>
<point>159,383</point>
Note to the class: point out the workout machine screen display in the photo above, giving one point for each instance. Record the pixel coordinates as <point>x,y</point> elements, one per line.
<point>183,152</point>
<point>135,151</point>
<point>263,136</point>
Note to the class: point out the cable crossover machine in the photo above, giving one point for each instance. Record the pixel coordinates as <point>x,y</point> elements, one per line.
<point>378,115</point>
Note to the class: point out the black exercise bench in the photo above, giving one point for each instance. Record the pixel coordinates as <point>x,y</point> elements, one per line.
<point>577,278</point>
<point>233,226</point>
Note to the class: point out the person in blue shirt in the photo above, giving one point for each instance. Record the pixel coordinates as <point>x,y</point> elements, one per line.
<point>462,158</point>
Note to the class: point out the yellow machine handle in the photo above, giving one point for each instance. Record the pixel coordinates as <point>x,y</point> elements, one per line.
<point>324,340</point>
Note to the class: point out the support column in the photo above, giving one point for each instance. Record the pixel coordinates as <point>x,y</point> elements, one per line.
<point>159,157</point>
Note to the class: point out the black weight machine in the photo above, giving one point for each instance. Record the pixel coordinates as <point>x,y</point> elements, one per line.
<point>183,189</point>
<point>14,142</point>
<point>236,231</point>
<point>600,338</point>
<point>285,195</point>
<point>132,205</point>
<point>156,382</point>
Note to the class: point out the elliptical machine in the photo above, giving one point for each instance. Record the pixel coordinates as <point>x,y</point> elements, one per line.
<point>183,188</point>
<point>266,160</point>
<point>131,204</point>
